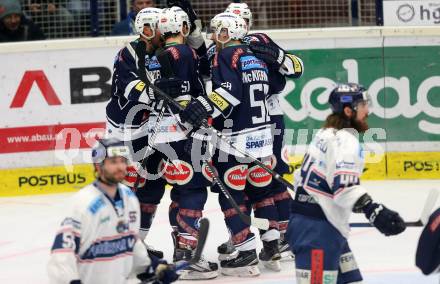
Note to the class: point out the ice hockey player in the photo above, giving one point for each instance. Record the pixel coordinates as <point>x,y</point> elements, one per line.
<point>98,239</point>
<point>128,111</point>
<point>189,186</point>
<point>327,191</point>
<point>428,248</point>
<point>281,65</point>
<point>240,87</point>
<point>195,38</point>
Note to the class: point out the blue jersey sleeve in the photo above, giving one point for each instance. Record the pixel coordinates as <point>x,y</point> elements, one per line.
<point>227,85</point>
<point>125,81</point>
<point>428,249</point>
<point>185,64</point>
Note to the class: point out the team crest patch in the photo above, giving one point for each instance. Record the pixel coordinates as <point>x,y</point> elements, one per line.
<point>176,172</point>
<point>122,227</point>
<point>235,177</point>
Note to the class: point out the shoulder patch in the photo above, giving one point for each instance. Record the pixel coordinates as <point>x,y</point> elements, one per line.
<point>236,57</point>
<point>174,52</point>
<point>251,62</point>
<point>126,190</point>
<point>215,61</point>
<point>96,204</point>
<point>194,53</point>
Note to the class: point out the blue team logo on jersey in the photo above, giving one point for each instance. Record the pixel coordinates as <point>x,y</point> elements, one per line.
<point>251,62</point>
<point>152,64</point>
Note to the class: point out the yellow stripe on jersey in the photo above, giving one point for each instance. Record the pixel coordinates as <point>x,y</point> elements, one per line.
<point>140,86</point>
<point>297,67</point>
<point>218,100</point>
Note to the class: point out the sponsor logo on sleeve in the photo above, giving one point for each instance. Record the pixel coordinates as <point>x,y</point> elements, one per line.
<point>218,100</point>
<point>251,62</point>
<point>140,86</point>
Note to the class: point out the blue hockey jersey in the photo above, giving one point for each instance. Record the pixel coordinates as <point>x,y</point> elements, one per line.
<point>130,96</point>
<point>241,84</point>
<point>428,249</point>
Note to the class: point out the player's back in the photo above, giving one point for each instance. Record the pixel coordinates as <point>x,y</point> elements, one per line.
<point>184,63</point>
<point>329,178</point>
<point>244,83</point>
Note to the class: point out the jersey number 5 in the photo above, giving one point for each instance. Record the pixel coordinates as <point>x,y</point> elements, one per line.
<point>258,93</point>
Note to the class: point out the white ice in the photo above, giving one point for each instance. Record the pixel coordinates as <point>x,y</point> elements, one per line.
<point>28,225</point>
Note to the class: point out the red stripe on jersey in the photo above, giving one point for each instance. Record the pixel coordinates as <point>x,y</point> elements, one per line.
<point>317,266</point>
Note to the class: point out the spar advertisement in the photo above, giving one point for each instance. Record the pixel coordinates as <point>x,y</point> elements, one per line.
<point>53,109</point>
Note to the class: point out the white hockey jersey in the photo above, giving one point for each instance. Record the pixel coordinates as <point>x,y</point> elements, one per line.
<point>98,239</point>
<point>330,173</point>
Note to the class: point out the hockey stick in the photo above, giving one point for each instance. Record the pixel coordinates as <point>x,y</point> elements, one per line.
<point>201,242</point>
<point>141,53</point>
<point>426,211</point>
<point>256,222</point>
<point>223,138</point>
<point>259,223</point>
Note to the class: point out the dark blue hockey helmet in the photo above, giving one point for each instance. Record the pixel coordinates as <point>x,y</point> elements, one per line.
<point>107,148</point>
<point>347,94</point>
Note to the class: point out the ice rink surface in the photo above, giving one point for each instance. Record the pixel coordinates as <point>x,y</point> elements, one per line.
<point>28,226</point>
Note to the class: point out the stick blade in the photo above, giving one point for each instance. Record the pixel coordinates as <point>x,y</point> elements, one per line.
<point>429,205</point>
<point>203,235</point>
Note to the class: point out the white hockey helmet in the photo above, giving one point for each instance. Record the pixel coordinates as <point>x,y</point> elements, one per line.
<point>108,148</point>
<point>241,9</point>
<point>147,16</point>
<point>172,20</point>
<point>233,24</point>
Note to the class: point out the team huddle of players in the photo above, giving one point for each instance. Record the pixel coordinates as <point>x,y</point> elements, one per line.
<point>247,71</point>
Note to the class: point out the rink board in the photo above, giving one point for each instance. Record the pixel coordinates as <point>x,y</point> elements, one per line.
<point>47,180</point>
<point>54,101</point>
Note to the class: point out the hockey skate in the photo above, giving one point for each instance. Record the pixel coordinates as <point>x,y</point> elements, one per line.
<point>270,255</point>
<point>202,270</point>
<point>244,265</point>
<point>226,251</point>
<point>286,253</point>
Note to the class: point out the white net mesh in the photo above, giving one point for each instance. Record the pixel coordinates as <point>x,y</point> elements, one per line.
<point>75,18</point>
<point>71,18</point>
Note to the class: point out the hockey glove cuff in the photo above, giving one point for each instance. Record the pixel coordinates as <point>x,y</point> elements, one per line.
<point>196,111</point>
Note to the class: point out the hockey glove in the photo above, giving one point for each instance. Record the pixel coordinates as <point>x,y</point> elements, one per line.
<point>272,55</point>
<point>196,111</point>
<point>387,221</point>
<point>185,5</point>
<point>159,272</point>
<point>171,86</point>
